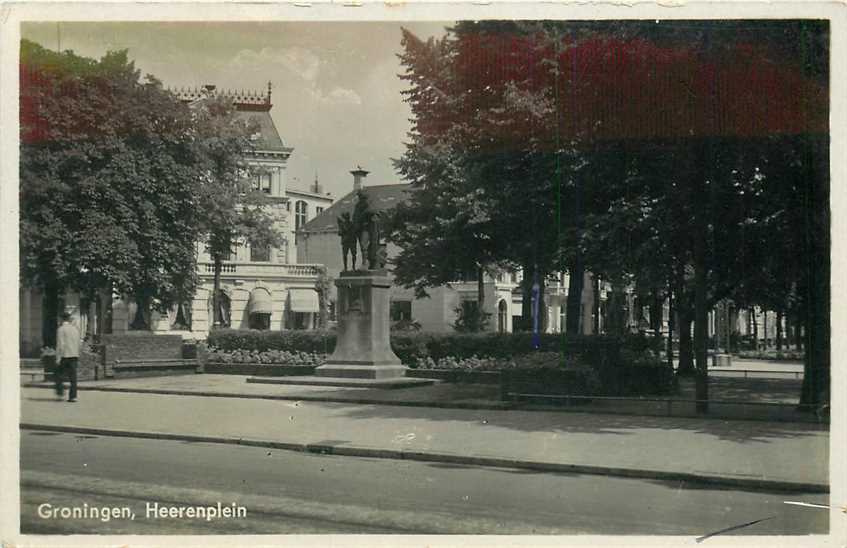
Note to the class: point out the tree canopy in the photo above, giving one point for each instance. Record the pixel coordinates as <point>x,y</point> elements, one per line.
<point>108,179</point>
<point>670,155</point>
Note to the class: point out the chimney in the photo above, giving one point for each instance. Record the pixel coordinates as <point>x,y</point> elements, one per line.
<point>359,175</point>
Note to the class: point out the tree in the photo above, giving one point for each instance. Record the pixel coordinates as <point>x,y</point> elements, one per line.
<point>645,153</point>
<point>232,211</point>
<point>107,181</point>
<point>323,285</point>
<point>437,250</point>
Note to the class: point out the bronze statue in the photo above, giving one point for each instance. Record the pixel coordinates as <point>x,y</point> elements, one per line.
<point>348,231</point>
<point>366,227</point>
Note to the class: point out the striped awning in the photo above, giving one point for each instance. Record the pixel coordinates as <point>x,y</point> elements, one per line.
<point>260,302</point>
<point>303,300</point>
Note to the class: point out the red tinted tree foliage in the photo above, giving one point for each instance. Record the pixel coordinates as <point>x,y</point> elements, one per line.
<point>609,88</point>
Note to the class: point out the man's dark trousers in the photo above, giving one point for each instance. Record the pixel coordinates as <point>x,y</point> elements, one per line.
<point>67,366</point>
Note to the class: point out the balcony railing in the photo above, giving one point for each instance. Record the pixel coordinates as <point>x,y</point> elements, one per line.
<point>263,270</point>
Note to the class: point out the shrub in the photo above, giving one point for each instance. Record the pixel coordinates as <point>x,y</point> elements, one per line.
<point>470,318</point>
<point>321,341</point>
<point>405,326</point>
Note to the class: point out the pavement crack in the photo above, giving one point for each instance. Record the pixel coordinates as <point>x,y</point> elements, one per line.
<point>733,528</point>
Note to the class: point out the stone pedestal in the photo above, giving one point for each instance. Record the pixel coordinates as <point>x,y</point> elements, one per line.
<point>363,346</point>
<point>363,357</point>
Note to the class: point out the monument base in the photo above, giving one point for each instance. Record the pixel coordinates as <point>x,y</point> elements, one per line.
<point>362,371</point>
<point>396,382</point>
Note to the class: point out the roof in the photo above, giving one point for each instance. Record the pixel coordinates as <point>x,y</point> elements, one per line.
<point>269,139</point>
<point>250,105</point>
<point>380,198</point>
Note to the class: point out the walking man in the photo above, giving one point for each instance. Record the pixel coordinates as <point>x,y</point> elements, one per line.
<point>67,355</point>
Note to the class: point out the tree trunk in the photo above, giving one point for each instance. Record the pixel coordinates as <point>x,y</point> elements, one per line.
<point>779,330</point>
<point>755,328</point>
<point>686,350</point>
<point>700,325</point>
<point>816,370</point>
<point>480,289</point>
<point>50,322</point>
<point>798,332</point>
<point>765,327</point>
<point>656,314</point>
<point>671,326</point>
<point>216,290</point>
<point>702,159</point>
<point>140,323</point>
<point>596,314</point>
<point>577,272</point>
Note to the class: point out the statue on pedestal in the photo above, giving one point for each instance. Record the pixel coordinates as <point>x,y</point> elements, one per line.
<point>349,236</point>
<point>362,227</point>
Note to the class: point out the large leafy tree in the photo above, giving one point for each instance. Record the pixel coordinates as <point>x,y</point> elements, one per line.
<point>107,181</point>
<point>438,249</point>
<point>642,152</point>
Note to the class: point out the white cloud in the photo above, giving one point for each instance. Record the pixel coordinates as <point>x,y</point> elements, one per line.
<point>338,96</point>
<point>299,61</point>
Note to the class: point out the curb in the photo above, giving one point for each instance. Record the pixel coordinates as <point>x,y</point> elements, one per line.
<point>499,462</point>
<point>320,399</point>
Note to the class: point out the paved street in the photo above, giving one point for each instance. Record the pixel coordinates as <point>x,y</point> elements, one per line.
<point>289,492</point>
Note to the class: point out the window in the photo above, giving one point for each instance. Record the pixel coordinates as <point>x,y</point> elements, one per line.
<point>318,211</point>
<point>300,213</point>
<point>401,310</point>
<point>260,321</point>
<point>260,254</point>
<point>262,181</point>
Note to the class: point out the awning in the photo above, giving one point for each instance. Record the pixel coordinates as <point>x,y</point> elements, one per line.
<point>303,300</point>
<point>260,302</point>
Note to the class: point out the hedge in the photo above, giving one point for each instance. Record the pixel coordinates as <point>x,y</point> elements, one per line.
<point>593,350</point>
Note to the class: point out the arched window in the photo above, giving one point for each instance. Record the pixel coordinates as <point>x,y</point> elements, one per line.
<point>300,214</point>
<point>502,318</point>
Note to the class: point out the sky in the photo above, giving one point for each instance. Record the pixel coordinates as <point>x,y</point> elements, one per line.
<point>336,91</point>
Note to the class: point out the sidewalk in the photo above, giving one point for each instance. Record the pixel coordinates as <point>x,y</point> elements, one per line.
<point>732,398</point>
<point>745,454</point>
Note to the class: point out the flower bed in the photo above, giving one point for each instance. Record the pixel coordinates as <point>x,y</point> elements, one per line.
<point>413,348</point>
<point>476,363</point>
<point>279,358</point>
<point>782,355</point>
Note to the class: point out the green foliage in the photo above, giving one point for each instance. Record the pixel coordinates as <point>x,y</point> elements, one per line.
<point>470,318</point>
<point>108,173</point>
<point>405,325</point>
<point>301,341</point>
<point>415,348</point>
